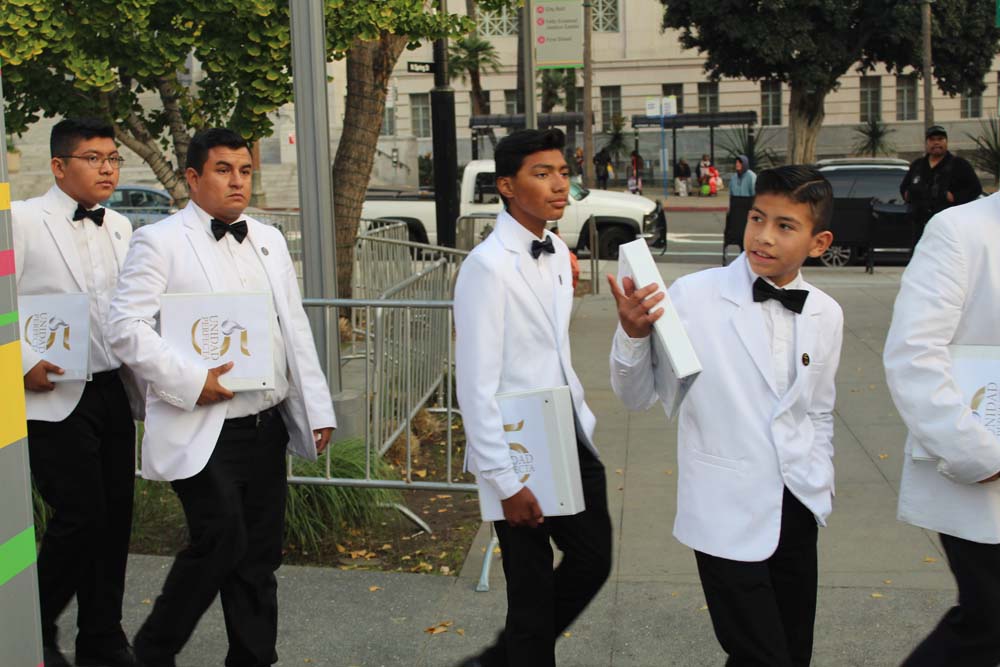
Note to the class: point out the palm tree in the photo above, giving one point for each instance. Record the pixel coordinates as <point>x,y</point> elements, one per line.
<point>872,138</point>
<point>615,145</point>
<point>468,58</point>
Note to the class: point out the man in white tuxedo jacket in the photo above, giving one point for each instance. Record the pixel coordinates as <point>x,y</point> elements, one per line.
<point>950,295</point>
<point>81,437</point>
<point>223,453</point>
<point>513,301</point>
<point>755,435</point>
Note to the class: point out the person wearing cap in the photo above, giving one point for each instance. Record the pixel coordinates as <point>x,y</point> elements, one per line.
<point>937,181</point>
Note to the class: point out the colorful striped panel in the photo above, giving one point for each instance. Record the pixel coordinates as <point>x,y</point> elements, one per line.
<point>16,554</point>
<point>6,262</point>
<point>4,196</point>
<point>13,422</point>
<point>8,318</point>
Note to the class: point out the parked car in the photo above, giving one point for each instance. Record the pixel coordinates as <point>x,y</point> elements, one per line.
<point>620,217</point>
<point>141,204</point>
<point>869,214</point>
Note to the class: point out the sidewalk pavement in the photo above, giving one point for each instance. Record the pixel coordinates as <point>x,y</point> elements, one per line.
<point>883,584</point>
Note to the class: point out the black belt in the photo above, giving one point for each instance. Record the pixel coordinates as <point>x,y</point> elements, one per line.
<point>253,421</point>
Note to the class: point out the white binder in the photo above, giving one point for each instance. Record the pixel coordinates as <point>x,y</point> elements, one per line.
<point>976,371</point>
<point>670,340</point>
<point>212,329</point>
<point>541,435</point>
<point>57,326</point>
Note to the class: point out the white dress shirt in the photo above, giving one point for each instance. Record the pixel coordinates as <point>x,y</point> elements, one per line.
<point>243,272</point>
<point>780,325</point>
<point>100,272</point>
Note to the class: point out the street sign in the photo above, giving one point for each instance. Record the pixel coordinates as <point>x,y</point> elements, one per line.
<point>558,30</point>
<point>657,106</point>
<point>421,67</point>
<point>652,106</point>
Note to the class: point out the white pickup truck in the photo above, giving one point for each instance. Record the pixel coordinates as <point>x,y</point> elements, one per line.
<point>620,217</point>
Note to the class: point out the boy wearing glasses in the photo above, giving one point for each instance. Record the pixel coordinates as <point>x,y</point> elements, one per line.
<point>81,437</point>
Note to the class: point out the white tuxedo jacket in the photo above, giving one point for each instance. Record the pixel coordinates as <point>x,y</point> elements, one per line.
<point>950,295</point>
<point>739,442</point>
<point>47,262</point>
<point>174,256</point>
<point>509,338</point>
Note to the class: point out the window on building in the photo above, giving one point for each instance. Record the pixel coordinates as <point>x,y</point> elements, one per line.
<point>677,90</point>
<point>510,102</point>
<point>708,97</point>
<point>906,97</point>
<point>605,15</point>
<point>871,98</point>
<point>611,105</point>
<point>500,23</point>
<point>578,106</point>
<point>770,102</point>
<point>420,114</point>
<point>972,105</point>
<point>388,122</point>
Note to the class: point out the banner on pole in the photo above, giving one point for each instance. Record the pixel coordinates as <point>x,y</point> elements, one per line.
<point>558,30</point>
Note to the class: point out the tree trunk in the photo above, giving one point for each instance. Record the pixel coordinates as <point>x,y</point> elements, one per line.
<point>369,67</point>
<point>805,119</point>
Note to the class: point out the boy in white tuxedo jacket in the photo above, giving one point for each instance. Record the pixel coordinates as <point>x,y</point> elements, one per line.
<point>223,453</point>
<point>950,295</point>
<point>755,438</point>
<point>513,301</point>
<point>81,437</point>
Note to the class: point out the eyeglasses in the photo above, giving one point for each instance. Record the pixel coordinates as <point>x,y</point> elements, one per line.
<point>96,161</point>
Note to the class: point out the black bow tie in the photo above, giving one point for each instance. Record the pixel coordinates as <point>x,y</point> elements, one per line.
<point>237,229</point>
<point>97,215</point>
<point>792,299</point>
<point>538,247</point>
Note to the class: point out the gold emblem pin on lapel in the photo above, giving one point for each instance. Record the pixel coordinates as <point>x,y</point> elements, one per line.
<point>805,359</point>
<point>118,235</point>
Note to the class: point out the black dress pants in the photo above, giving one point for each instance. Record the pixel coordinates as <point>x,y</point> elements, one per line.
<point>542,602</point>
<point>969,633</point>
<point>763,612</point>
<point>235,511</point>
<point>84,468</point>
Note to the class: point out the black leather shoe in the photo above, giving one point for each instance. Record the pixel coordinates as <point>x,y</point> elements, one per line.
<point>53,658</point>
<point>122,657</point>
<point>471,662</point>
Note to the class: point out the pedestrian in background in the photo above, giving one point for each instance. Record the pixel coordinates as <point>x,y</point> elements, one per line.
<point>682,178</point>
<point>937,180</point>
<point>602,164</point>
<point>744,181</point>
<point>635,168</point>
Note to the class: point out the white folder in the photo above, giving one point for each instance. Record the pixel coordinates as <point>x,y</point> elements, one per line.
<point>215,328</point>
<point>670,340</point>
<point>541,435</point>
<point>57,326</point>
<point>976,371</point>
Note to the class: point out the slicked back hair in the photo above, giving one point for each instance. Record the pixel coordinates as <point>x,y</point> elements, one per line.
<point>68,133</point>
<point>802,184</point>
<point>511,150</point>
<point>206,140</point>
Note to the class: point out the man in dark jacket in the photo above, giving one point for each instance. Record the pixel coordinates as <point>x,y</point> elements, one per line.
<point>937,181</point>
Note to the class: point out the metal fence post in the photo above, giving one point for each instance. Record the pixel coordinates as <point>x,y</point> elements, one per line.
<point>20,632</point>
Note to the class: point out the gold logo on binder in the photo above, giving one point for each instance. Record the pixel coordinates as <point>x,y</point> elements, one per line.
<point>985,405</point>
<point>211,338</point>
<point>41,329</point>
<point>520,457</point>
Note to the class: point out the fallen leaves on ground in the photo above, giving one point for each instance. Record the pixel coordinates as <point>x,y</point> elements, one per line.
<point>930,559</point>
<point>438,628</point>
<point>877,595</point>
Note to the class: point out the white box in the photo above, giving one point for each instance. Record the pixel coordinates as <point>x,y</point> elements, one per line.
<point>57,326</point>
<point>976,371</point>
<point>212,329</point>
<point>539,429</point>
<point>670,339</point>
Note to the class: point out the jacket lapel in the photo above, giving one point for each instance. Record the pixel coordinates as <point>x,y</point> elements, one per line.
<point>748,320</point>
<point>526,266</point>
<point>60,228</point>
<point>199,240</point>
<point>806,335</point>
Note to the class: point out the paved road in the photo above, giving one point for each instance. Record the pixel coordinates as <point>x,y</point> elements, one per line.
<point>883,584</point>
<point>694,238</point>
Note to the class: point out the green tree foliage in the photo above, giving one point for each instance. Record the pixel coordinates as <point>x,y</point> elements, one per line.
<point>810,44</point>
<point>873,138</point>
<point>987,154</point>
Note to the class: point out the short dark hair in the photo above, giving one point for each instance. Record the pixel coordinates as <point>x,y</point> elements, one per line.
<point>69,132</point>
<point>802,184</point>
<point>205,140</point>
<point>512,149</point>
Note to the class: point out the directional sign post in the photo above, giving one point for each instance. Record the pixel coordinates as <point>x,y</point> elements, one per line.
<point>558,27</point>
